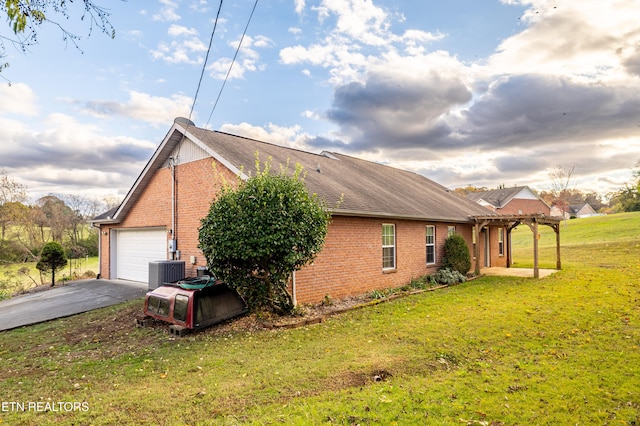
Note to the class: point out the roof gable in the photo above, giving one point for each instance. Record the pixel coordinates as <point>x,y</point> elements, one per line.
<point>349,186</point>
<point>584,208</point>
<point>499,198</point>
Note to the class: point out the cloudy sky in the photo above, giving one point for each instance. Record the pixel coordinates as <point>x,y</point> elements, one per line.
<point>466,92</point>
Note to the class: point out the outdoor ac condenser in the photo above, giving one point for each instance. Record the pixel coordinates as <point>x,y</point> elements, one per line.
<point>165,271</point>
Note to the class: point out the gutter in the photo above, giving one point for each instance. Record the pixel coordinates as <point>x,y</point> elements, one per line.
<point>359,213</point>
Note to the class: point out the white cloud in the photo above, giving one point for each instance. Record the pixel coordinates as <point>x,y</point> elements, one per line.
<point>180,30</point>
<point>248,59</point>
<point>19,99</point>
<point>585,40</point>
<point>69,156</point>
<point>260,41</point>
<point>200,6</point>
<point>185,48</point>
<point>168,12</point>
<point>142,106</point>
<point>358,19</point>
<point>361,35</point>
<point>311,115</point>
<point>284,136</point>
<point>299,6</point>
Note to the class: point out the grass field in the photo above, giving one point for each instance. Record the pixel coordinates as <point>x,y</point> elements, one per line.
<point>11,281</point>
<point>562,350</point>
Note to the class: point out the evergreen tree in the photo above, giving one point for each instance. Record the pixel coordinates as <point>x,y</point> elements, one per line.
<point>52,258</point>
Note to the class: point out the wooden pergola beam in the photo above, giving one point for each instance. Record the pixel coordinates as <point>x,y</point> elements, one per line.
<point>512,221</point>
<point>476,230</point>
<point>536,237</point>
<point>510,228</point>
<point>556,228</point>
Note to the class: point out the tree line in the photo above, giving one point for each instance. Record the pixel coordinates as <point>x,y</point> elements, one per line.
<point>26,227</point>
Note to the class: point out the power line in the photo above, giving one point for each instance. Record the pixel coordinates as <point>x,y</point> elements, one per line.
<point>231,66</point>
<point>204,66</point>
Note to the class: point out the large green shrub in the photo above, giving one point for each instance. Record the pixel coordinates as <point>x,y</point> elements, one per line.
<point>256,235</point>
<point>456,254</point>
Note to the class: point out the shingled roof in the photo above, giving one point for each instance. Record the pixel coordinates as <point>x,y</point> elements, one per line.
<point>498,198</point>
<point>357,187</point>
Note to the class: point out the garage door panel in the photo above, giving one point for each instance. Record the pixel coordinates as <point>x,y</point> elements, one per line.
<point>135,249</point>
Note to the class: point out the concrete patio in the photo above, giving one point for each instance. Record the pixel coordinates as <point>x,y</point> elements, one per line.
<point>515,272</point>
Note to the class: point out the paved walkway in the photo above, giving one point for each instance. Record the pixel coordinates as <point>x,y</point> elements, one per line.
<point>516,272</point>
<point>70,299</point>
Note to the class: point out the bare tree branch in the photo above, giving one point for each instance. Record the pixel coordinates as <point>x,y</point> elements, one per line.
<point>560,182</point>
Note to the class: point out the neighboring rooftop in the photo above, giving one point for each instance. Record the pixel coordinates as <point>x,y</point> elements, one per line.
<point>498,198</point>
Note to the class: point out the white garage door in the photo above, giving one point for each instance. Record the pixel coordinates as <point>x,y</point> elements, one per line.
<point>135,249</point>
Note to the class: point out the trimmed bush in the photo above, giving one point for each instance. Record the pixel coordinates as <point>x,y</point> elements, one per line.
<point>447,276</point>
<point>456,254</point>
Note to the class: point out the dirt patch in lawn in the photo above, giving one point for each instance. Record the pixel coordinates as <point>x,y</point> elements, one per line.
<point>110,327</point>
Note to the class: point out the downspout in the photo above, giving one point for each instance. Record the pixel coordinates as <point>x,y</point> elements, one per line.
<point>293,288</point>
<point>172,162</point>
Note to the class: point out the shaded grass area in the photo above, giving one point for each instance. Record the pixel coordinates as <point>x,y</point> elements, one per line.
<point>496,350</point>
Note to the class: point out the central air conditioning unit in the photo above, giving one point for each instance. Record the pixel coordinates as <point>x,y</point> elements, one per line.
<point>165,271</point>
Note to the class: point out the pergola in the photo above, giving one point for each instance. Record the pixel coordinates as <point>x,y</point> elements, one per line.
<point>510,222</point>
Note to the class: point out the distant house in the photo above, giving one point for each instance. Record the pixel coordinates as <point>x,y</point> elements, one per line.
<point>516,200</point>
<point>575,211</point>
<point>388,228</point>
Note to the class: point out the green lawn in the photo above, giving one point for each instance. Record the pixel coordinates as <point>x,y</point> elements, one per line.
<point>581,240</point>
<point>12,281</point>
<point>494,351</point>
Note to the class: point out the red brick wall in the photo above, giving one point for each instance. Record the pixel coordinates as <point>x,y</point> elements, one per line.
<point>350,263</point>
<point>196,185</point>
<point>523,206</point>
<point>105,258</point>
<point>496,258</point>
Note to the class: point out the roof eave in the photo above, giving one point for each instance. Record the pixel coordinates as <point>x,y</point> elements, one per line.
<point>383,215</point>
<point>104,222</point>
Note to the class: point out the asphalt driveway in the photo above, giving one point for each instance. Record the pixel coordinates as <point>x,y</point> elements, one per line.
<point>70,299</point>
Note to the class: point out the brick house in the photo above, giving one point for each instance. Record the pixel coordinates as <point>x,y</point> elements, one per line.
<point>515,200</point>
<point>389,227</point>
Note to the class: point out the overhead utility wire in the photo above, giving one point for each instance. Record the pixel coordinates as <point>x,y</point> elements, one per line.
<point>232,62</point>
<point>172,160</point>
<point>204,66</point>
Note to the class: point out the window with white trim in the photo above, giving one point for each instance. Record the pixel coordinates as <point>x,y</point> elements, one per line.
<point>451,230</point>
<point>431,244</point>
<point>501,241</point>
<point>388,246</point>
